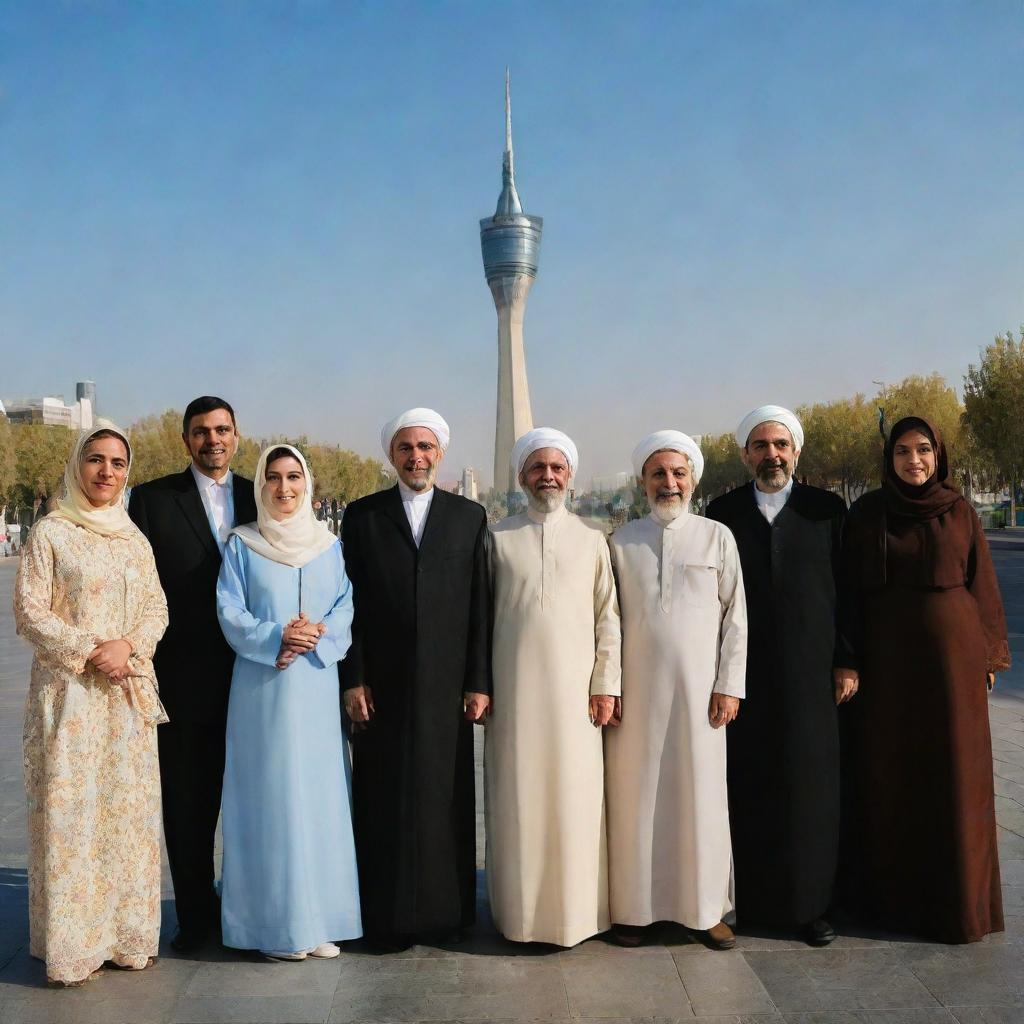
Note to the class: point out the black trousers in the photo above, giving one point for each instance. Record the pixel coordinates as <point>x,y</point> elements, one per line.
<point>191,777</point>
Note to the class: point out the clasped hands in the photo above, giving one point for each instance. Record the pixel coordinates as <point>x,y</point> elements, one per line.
<point>846,682</point>
<point>298,637</point>
<point>111,658</point>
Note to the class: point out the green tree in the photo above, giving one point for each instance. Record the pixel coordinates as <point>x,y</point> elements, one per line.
<point>157,447</point>
<point>994,410</point>
<point>40,454</point>
<point>7,465</point>
<point>842,447</point>
<point>723,468</point>
<point>932,399</point>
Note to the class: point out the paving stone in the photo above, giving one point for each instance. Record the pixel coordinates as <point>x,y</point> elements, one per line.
<point>722,983</point>
<point>252,1010</point>
<point>988,1014</point>
<point>636,986</point>
<point>71,1007</point>
<point>908,1015</point>
<point>465,988</point>
<point>827,979</point>
<point>308,978</point>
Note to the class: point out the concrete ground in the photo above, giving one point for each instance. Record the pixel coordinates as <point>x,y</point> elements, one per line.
<point>770,978</point>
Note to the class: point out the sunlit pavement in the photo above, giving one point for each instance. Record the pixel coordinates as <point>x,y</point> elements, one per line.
<point>856,980</point>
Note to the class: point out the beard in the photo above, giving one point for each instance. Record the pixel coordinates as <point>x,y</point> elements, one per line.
<point>425,482</point>
<point>546,501</point>
<point>774,478</point>
<point>668,507</point>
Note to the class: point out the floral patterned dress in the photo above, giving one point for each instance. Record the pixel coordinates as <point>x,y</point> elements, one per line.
<point>91,770</point>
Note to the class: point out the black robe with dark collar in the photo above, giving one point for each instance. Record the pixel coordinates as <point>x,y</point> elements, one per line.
<point>421,638</point>
<point>783,748</point>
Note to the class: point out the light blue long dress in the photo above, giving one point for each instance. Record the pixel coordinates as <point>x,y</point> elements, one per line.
<point>289,877</point>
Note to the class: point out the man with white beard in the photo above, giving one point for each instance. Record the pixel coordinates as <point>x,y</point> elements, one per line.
<point>556,681</point>
<point>684,646</point>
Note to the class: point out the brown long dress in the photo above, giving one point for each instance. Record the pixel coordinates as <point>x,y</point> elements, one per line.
<point>924,613</point>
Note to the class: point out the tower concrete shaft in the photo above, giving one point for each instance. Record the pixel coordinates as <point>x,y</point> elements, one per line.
<point>515,417</point>
<point>510,244</point>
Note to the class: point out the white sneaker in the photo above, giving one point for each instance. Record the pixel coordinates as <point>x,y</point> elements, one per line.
<point>282,954</point>
<point>325,951</point>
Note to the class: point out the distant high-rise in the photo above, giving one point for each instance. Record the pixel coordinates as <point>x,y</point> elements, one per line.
<point>86,389</point>
<point>510,242</point>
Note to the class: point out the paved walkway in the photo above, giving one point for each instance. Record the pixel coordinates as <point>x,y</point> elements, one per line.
<point>768,978</point>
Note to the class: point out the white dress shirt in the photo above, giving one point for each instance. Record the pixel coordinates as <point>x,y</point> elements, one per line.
<point>219,502</point>
<point>771,504</point>
<point>416,505</point>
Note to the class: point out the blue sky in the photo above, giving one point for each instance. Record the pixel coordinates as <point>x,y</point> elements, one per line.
<point>744,202</point>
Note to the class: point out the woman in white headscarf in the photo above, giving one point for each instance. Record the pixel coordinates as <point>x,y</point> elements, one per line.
<point>285,605</point>
<point>88,599</point>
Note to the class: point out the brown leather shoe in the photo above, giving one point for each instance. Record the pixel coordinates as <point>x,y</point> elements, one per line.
<point>720,936</point>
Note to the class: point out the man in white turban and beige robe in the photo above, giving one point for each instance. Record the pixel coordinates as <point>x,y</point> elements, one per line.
<point>556,681</point>
<point>684,648</point>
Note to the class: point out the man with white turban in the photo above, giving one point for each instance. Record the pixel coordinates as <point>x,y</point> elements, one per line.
<point>417,674</point>
<point>784,748</point>
<point>684,648</point>
<point>556,681</point>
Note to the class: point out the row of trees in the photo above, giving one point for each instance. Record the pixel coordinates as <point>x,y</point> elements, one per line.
<point>33,456</point>
<point>842,450</point>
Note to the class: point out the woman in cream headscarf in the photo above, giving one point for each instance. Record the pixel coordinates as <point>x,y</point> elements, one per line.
<point>285,605</point>
<point>88,599</point>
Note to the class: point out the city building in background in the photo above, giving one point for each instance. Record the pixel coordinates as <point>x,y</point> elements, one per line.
<point>52,410</point>
<point>510,243</point>
<point>468,487</point>
<point>609,484</point>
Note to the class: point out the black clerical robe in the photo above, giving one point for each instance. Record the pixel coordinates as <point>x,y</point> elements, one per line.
<point>783,748</point>
<point>421,637</point>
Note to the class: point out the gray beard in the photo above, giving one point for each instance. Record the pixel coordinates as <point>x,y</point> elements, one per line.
<point>669,512</point>
<point>769,478</point>
<point>548,501</point>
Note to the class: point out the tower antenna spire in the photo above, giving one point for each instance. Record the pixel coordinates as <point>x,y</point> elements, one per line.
<point>508,202</point>
<point>508,117</point>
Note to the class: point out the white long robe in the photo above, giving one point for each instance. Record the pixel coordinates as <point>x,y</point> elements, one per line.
<point>684,636</point>
<point>556,642</point>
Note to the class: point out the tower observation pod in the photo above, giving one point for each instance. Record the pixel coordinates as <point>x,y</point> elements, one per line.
<point>510,243</point>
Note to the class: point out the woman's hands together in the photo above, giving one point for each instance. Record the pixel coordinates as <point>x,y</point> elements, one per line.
<point>111,658</point>
<point>298,637</point>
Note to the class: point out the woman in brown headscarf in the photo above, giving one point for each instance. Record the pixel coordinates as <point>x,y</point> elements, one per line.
<point>924,616</point>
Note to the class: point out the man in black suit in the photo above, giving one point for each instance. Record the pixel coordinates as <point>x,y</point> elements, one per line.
<point>783,765</point>
<point>417,673</point>
<point>187,517</point>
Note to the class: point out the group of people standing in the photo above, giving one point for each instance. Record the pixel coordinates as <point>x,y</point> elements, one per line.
<point>662,735</point>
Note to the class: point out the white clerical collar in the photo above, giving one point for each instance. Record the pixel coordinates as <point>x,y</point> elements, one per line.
<point>775,500</point>
<point>546,518</point>
<point>207,483</point>
<point>411,497</point>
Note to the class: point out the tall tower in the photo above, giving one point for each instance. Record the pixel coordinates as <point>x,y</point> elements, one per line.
<point>510,242</point>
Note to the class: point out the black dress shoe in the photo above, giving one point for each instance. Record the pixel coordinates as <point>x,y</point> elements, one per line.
<point>818,933</point>
<point>383,944</point>
<point>628,935</point>
<point>188,941</point>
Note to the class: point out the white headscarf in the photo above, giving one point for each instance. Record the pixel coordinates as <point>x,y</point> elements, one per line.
<point>669,440</point>
<point>544,437</point>
<point>293,541</point>
<point>433,421</point>
<point>770,414</point>
<point>110,520</point>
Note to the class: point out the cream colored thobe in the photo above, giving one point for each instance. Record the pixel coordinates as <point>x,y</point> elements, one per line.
<point>556,642</point>
<point>684,636</point>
